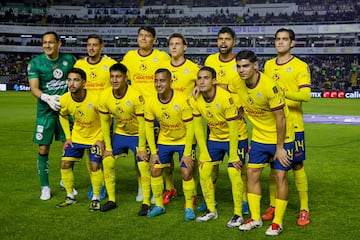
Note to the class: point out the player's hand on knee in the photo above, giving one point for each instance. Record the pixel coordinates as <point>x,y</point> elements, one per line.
<point>188,161</point>
<point>52,100</point>
<point>143,155</point>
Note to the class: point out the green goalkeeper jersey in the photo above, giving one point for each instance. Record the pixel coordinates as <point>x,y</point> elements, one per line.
<point>52,75</point>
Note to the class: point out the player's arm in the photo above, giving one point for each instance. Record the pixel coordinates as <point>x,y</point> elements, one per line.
<point>281,153</point>
<point>142,133</point>
<point>200,138</point>
<point>304,94</point>
<point>189,137</point>
<point>233,140</point>
<point>141,149</point>
<point>64,121</point>
<point>34,87</point>
<point>105,120</point>
<point>150,136</point>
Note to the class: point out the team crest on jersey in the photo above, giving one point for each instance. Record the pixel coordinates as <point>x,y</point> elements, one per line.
<point>176,107</point>
<point>58,73</point>
<point>90,105</point>
<point>217,106</point>
<point>65,63</point>
<point>258,95</point>
<point>186,71</point>
<point>221,73</point>
<point>105,67</point>
<point>128,103</point>
<point>276,77</point>
<point>166,115</point>
<point>119,110</point>
<point>288,69</point>
<point>80,113</point>
<point>156,59</point>
<point>209,114</point>
<point>143,67</point>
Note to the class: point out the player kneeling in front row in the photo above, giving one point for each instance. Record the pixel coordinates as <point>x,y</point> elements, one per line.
<point>86,134</point>
<point>174,114</point>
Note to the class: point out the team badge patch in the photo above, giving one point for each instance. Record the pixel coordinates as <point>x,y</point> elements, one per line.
<point>39,136</point>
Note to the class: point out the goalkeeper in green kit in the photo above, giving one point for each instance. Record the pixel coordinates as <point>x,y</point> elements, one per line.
<point>47,74</point>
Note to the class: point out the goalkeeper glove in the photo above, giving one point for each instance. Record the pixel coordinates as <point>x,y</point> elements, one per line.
<point>52,100</point>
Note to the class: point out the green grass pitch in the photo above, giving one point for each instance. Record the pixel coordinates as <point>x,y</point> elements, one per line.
<point>332,167</point>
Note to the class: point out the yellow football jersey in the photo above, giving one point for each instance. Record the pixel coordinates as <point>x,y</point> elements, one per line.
<point>217,112</point>
<point>183,76</point>
<point>171,116</point>
<point>124,110</point>
<point>259,103</point>
<point>87,126</point>
<point>226,72</point>
<point>97,75</point>
<point>141,69</point>
<point>291,76</point>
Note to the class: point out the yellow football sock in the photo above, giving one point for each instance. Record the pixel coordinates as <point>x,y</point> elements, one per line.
<point>144,169</point>
<point>237,187</point>
<point>109,176</point>
<point>254,205</point>
<point>207,185</point>
<point>301,183</point>
<point>97,179</point>
<point>189,191</point>
<point>272,188</point>
<point>157,186</point>
<point>67,176</point>
<point>280,211</point>
<point>169,179</point>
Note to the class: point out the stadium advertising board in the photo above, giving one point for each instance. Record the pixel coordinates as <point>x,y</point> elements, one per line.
<point>336,94</point>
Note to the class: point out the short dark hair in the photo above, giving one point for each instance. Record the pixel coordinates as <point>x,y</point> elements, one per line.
<point>51,33</point>
<point>227,30</point>
<point>78,71</point>
<point>119,67</point>
<point>177,35</point>
<point>246,54</point>
<point>209,69</point>
<point>165,70</point>
<point>288,30</point>
<point>96,37</point>
<point>148,29</point>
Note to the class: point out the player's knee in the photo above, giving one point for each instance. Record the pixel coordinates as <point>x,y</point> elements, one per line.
<point>297,166</point>
<point>156,172</point>
<point>66,164</point>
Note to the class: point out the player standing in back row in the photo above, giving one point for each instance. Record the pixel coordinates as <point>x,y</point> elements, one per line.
<point>47,75</point>
<point>293,76</point>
